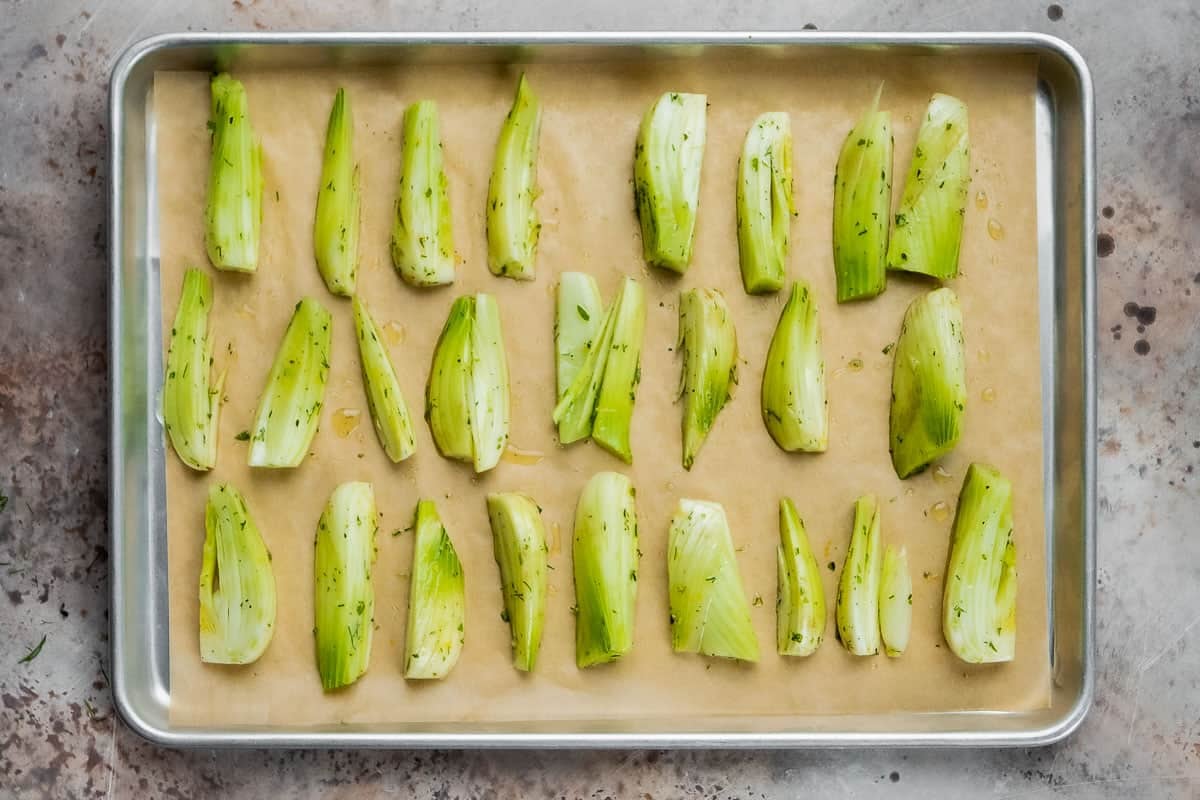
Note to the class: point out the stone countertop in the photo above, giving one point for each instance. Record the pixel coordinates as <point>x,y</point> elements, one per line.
<point>58,734</point>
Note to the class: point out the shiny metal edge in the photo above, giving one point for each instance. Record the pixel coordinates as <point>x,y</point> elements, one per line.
<point>119,492</point>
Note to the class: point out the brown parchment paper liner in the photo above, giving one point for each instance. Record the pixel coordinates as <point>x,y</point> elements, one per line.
<point>591,115</point>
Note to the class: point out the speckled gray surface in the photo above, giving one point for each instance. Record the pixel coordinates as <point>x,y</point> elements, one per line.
<point>58,735</point>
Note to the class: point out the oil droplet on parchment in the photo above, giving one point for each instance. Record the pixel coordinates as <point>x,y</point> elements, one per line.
<point>394,333</point>
<point>942,475</point>
<point>981,200</point>
<point>940,511</point>
<point>345,421</point>
<point>995,230</point>
<point>523,458</point>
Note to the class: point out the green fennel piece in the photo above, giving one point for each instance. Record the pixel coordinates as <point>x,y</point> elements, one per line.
<point>422,236</point>
<point>800,607</point>
<point>519,543</point>
<point>467,397</point>
<point>858,587</point>
<point>979,607</point>
<point>764,203</point>
<point>708,343</point>
<point>233,210</point>
<point>336,226</point>
<point>575,412</point>
<point>666,177</point>
<point>929,382</point>
<point>622,372</point>
<point>448,392</point>
<point>895,601</point>
<point>605,553</point>
<point>929,220</point>
<point>191,397</point>
<point>579,314</point>
<point>512,221</point>
<point>437,601</point>
<point>237,586</point>
<point>709,611</point>
<point>604,363</point>
<point>389,412</point>
<point>489,412</point>
<point>344,599</point>
<point>795,407</point>
<point>862,202</point>
<point>289,410</point>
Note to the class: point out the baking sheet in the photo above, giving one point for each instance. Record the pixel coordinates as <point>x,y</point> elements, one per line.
<point>586,147</point>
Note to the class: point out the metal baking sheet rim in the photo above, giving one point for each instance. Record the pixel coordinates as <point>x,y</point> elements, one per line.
<point>1066,249</point>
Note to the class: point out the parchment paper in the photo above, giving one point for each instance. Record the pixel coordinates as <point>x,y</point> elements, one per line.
<point>591,115</point>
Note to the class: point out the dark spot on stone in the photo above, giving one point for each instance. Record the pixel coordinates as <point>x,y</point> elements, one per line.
<point>1105,245</point>
<point>94,759</point>
<point>36,52</point>
<point>1141,347</point>
<point>808,26</point>
<point>832,566</point>
<point>50,773</point>
<point>1108,212</point>
<point>100,555</point>
<point>1131,309</point>
<point>894,777</point>
<point>62,610</point>
<point>1117,336</point>
<point>60,39</point>
<point>1147,314</point>
<point>1141,329</point>
<point>15,597</point>
<point>1054,12</point>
